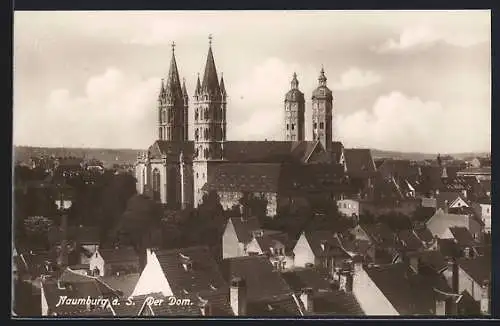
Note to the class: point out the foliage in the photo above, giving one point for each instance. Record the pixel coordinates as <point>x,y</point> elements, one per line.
<point>396,221</point>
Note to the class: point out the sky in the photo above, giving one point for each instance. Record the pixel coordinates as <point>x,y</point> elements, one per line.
<point>414,81</point>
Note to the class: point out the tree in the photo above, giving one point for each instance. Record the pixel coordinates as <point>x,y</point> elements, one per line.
<point>396,221</point>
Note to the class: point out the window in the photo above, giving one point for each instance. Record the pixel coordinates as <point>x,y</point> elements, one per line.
<point>287,126</point>
<point>315,125</point>
<point>321,125</point>
<point>487,210</point>
<point>293,126</point>
<point>197,176</point>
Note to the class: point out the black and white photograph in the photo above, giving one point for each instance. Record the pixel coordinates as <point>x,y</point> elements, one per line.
<point>242,164</point>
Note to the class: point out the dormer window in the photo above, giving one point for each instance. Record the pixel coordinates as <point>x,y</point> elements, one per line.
<point>188,266</point>
<point>257,233</point>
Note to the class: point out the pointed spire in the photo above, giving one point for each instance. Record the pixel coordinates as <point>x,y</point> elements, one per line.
<point>173,87</point>
<point>222,87</point>
<point>162,89</point>
<point>184,90</point>
<point>295,82</point>
<point>198,86</point>
<point>322,78</point>
<point>210,82</point>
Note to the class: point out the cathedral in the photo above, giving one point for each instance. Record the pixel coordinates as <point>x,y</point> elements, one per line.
<point>178,169</point>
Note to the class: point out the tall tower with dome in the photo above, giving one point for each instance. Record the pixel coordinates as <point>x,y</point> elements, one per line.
<point>322,112</point>
<point>294,112</point>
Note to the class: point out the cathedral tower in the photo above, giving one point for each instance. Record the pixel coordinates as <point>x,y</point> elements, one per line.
<point>322,107</point>
<point>294,112</point>
<point>209,123</point>
<point>172,106</point>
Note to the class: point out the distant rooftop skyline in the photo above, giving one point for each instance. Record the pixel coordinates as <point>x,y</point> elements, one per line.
<point>401,81</point>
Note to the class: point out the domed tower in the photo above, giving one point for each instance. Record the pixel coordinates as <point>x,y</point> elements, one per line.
<point>294,112</point>
<point>209,123</point>
<point>322,107</point>
<point>171,106</point>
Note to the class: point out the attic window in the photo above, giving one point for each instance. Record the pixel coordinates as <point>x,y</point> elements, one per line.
<point>188,266</point>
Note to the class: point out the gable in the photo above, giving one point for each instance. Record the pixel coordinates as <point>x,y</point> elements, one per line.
<point>316,152</point>
<point>254,247</point>
<point>302,246</point>
<point>152,279</point>
<point>459,202</point>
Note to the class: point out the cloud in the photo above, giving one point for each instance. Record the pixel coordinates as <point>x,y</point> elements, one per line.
<point>255,109</point>
<point>411,124</point>
<point>116,110</point>
<point>356,78</point>
<point>423,36</point>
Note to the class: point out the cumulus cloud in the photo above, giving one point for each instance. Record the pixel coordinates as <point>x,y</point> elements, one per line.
<point>255,109</point>
<point>116,110</point>
<point>423,36</point>
<point>356,78</point>
<point>411,124</point>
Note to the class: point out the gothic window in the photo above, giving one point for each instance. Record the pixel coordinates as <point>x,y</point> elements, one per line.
<point>196,134</point>
<point>162,116</point>
<point>321,125</point>
<point>144,176</point>
<point>196,115</point>
<point>196,152</point>
<point>205,114</point>
<point>160,132</point>
<point>293,126</point>
<point>287,126</point>
<point>315,125</point>
<point>206,152</point>
<point>156,184</point>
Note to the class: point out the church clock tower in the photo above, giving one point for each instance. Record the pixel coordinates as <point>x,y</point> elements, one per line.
<point>322,107</point>
<point>294,112</point>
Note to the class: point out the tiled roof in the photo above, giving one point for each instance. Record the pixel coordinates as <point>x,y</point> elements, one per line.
<point>202,278</point>
<point>442,197</point>
<point>251,177</point>
<point>36,263</point>
<point>301,278</point>
<point>399,169</point>
<point>284,306</point>
<point>409,240</point>
<point>302,150</point>
<point>410,294</point>
<point>441,221</point>
<point>75,286</point>
<point>479,268</point>
<point>262,281</point>
<point>486,185</point>
<point>336,303</point>
<point>429,202</point>
<point>359,162</point>
<point>118,255</point>
<point>430,178</point>
<point>356,246</point>
<point>271,239</point>
<point>332,245</point>
<point>317,177</point>
<point>379,233</point>
<point>244,227</point>
<point>123,283</point>
<point>448,247</point>
<point>172,149</point>
<point>434,259</point>
<point>331,155</point>
<point>261,152</point>
<point>463,236</point>
<point>424,234</point>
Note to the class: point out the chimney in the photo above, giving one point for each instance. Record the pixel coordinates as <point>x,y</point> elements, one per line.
<point>206,308</point>
<point>346,280</point>
<point>485,298</point>
<point>464,193</point>
<point>445,208</point>
<point>440,307</point>
<point>63,256</point>
<point>453,272</point>
<point>414,263</point>
<point>306,296</point>
<point>238,296</point>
